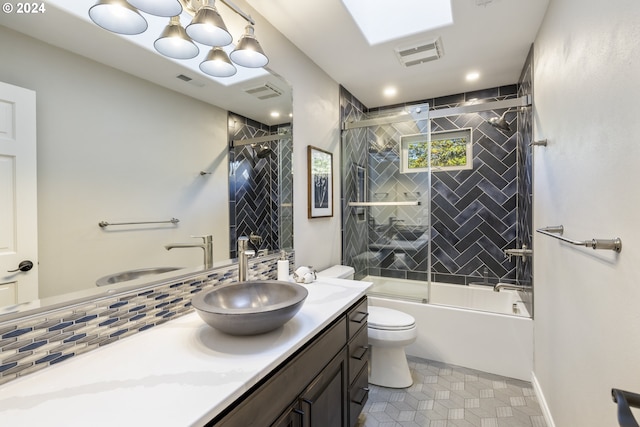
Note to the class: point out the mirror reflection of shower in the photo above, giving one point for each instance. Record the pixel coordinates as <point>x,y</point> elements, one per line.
<point>262,150</point>
<point>261,185</point>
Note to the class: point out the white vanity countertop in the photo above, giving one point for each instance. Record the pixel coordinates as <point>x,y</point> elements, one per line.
<point>181,373</point>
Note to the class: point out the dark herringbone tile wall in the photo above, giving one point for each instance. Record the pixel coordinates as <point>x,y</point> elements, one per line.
<point>474,213</point>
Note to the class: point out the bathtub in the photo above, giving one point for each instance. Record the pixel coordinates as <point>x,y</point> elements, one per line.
<point>470,326</point>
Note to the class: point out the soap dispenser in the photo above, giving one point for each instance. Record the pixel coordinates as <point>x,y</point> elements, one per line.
<point>283,266</point>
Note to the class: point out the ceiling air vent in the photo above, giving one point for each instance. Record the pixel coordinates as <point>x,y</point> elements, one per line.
<point>189,80</point>
<point>264,91</point>
<point>420,53</point>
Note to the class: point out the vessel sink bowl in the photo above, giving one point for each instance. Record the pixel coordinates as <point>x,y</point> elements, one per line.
<point>250,308</point>
<point>125,276</point>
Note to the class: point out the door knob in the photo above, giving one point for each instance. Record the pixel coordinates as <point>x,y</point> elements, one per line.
<point>23,266</point>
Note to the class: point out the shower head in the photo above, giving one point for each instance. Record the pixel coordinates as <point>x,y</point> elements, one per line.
<point>261,151</point>
<point>500,122</point>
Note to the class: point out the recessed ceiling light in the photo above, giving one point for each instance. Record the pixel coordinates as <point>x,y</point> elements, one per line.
<point>472,76</point>
<point>275,114</point>
<point>390,91</point>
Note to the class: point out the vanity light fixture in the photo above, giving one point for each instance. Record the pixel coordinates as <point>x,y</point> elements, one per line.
<point>174,42</point>
<point>118,16</point>
<point>166,8</point>
<point>206,27</point>
<point>217,64</point>
<point>248,53</point>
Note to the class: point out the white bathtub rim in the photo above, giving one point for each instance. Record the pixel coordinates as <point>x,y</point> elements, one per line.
<point>512,297</point>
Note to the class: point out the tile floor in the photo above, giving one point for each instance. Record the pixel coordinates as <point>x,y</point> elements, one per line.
<point>451,396</point>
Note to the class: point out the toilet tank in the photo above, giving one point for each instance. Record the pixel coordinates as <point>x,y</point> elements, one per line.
<point>338,271</point>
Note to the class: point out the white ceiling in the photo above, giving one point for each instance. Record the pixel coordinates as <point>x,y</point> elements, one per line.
<point>66,24</point>
<point>491,37</point>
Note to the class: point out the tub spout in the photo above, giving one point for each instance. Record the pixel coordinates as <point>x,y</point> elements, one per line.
<point>508,286</point>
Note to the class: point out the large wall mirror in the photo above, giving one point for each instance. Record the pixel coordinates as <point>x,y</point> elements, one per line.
<point>126,136</point>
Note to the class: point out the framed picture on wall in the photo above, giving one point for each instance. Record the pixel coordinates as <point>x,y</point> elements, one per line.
<point>320,182</point>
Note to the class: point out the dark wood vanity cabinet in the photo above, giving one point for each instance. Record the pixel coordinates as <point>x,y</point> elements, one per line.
<point>358,350</point>
<point>324,384</point>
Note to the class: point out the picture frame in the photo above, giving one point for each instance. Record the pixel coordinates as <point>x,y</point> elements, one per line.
<point>320,182</point>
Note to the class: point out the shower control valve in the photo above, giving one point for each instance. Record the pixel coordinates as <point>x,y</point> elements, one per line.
<point>524,252</point>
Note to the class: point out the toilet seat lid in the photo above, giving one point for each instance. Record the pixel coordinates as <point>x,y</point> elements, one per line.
<point>389,319</point>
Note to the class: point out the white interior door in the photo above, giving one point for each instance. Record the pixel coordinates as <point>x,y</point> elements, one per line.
<point>18,198</point>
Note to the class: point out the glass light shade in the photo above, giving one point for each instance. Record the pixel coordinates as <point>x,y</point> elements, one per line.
<point>207,27</point>
<point>217,64</point>
<point>166,8</point>
<point>174,42</point>
<point>248,53</point>
<point>118,16</point>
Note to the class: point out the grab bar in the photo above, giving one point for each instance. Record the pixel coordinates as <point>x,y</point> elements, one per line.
<point>625,400</point>
<point>104,224</point>
<point>359,204</point>
<point>557,230</point>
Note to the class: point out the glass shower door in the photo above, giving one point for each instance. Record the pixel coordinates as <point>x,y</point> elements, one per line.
<point>386,220</point>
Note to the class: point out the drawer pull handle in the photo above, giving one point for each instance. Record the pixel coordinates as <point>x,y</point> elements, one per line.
<point>360,317</point>
<point>363,397</point>
<point>360,353</point>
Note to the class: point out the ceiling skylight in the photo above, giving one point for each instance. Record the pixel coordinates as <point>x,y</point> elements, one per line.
<point>382,21</point>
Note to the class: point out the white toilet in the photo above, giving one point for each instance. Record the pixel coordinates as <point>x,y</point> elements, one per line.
<point>390,331</point>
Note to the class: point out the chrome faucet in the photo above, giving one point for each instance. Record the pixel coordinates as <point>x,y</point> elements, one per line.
<point>243,258</point>
<point>206,245</point>
<point>508,286</point>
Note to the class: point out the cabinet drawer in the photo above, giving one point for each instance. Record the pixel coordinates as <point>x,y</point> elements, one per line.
<point>358,317</point>
<point>358,353</point>
<point>358,395</point>
<point>266,402</point>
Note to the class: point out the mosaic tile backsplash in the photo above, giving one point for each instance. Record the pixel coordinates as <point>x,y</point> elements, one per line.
<point>38,341</point>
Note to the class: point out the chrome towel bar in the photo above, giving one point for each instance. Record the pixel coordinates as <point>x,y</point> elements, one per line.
<point>104,224</point>
<point>556,231</point>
